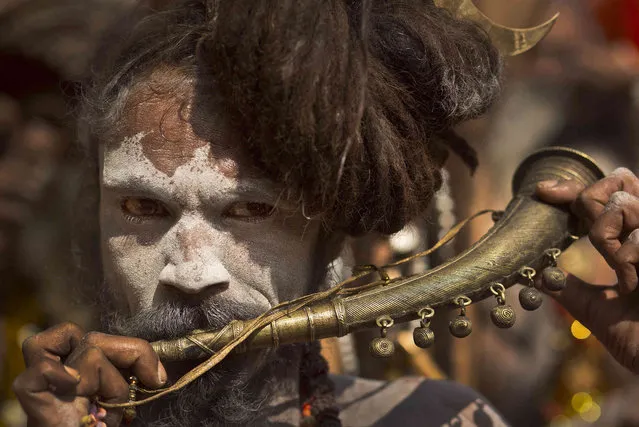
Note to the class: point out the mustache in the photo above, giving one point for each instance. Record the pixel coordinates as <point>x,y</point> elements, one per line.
<point>175,319</point>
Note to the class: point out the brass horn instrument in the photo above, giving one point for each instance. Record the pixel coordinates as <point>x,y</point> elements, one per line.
<point>526,237</point>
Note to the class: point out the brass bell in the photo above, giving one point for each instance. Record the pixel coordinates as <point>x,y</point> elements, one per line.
<point>461,326</point>
<point>423,335</point>
<point>503,316</point>
<point>530,299</point>
<point>382,346</point>
<point>553,279</point>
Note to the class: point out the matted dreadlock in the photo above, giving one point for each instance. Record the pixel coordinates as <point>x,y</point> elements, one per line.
<point>349,104</point>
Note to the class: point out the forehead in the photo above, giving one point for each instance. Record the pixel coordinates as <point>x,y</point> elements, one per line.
<point>171,123</point>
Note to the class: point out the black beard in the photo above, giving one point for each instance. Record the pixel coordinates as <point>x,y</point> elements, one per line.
<point>236,392</point>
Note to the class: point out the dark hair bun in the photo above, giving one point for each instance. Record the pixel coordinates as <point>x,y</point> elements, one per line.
<point>346,102</point>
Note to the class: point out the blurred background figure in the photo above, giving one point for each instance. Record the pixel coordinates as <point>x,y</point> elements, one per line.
<point>45,49</point>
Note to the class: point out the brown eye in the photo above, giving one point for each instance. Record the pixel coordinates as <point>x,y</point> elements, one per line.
<point>140,209</point>
<point>249,211</point>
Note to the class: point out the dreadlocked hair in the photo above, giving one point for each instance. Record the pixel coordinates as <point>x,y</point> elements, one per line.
<point>348,104</point>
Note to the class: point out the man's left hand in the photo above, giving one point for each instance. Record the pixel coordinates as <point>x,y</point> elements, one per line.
<point>610,208</point>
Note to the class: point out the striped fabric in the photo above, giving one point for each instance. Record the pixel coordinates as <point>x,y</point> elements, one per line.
<point>412,402</point>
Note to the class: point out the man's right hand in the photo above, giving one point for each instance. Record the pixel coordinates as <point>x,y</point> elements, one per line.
<point>66,368</point>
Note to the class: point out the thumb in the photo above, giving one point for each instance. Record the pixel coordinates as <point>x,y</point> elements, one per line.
<point>559,192</point>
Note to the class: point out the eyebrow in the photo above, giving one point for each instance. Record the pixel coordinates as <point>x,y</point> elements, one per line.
<point>133,185</point>
<point>260,189</point>
<point>257,188</point>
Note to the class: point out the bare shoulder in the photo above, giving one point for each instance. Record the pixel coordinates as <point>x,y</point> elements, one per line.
<point>412,401</point>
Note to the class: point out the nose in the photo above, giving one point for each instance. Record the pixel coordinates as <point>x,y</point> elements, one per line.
<point>193,277</point>
<point>193,263</point>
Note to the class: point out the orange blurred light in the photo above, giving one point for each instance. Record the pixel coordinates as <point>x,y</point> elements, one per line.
<point>579,331</point>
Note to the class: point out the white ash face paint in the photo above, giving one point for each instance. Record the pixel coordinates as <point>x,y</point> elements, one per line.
<point>619,200</point>
<point>197,250</point>
<point>622,172</point>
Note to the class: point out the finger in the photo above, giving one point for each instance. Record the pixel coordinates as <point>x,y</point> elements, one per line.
<point>47,375</point>
<point>628,254</point>
<point>559,192</point>
<point>98,375</point>
<point>55,343</point>
<point>36,388</point>
<point>100,378</point>
<point>130,353</point>
<point>592,201</point>
<point>619,218</point>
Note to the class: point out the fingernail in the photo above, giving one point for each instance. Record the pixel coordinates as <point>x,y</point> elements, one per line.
<point>101,424</point>
<point>548,183</point>
<point>75,374</point>
<point>161,373</point>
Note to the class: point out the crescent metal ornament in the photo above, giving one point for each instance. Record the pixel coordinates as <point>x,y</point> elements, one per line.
<point>509,41</point>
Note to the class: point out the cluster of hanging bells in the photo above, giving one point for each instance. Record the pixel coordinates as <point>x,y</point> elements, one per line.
<point>502,315</point>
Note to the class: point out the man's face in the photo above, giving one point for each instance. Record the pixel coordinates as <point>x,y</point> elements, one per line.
<point>185,219</point>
